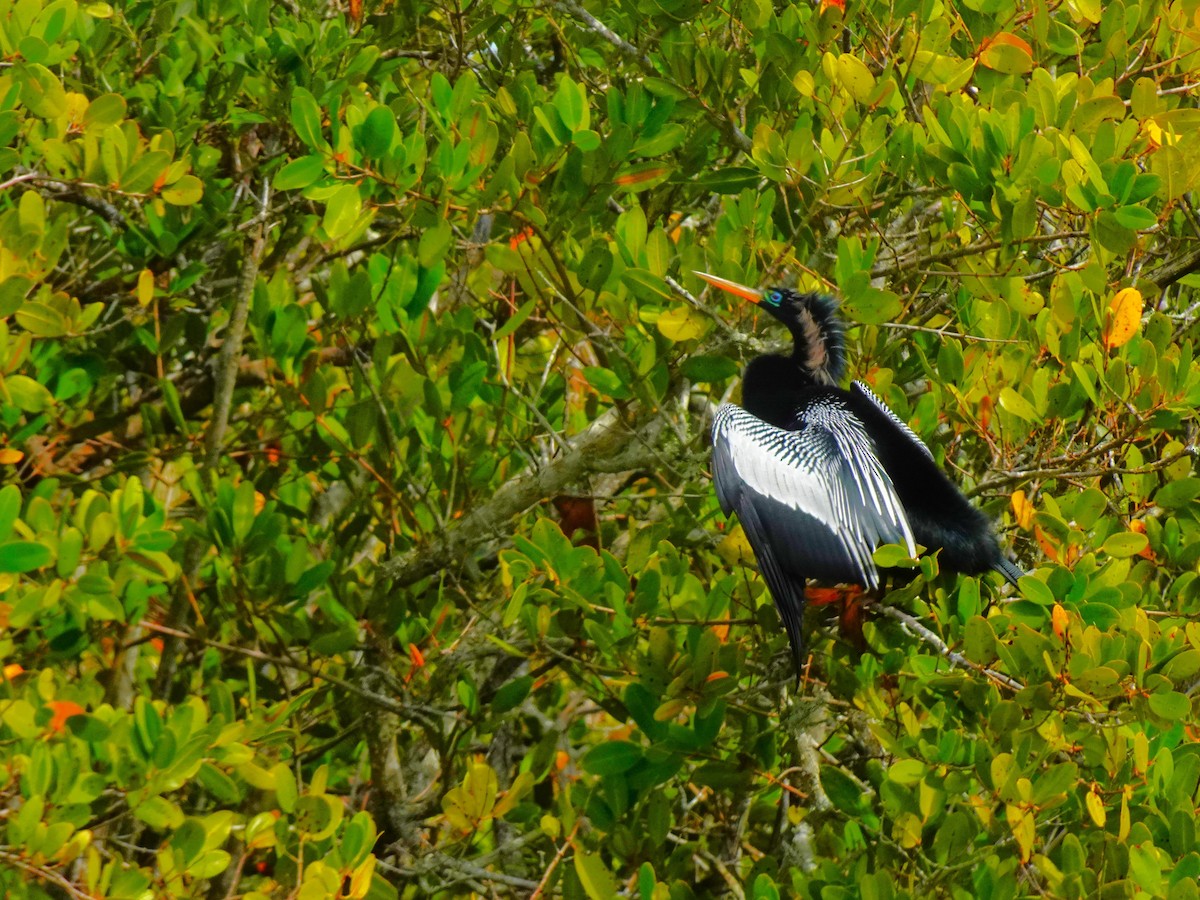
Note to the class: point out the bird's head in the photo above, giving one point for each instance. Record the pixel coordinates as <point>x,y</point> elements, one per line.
<point>817,330</point>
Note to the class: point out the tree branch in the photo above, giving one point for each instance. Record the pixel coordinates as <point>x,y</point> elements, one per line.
<point>1174,269</point>
<point>231,347</point>
<point>607,445</point>
<point>916,628</point>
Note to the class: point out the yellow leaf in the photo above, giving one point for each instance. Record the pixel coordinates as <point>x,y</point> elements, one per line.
<point>855,77</point>
<point>1020,820</point>
<point>1141,753</point>
<point>360,878</point>
<point>1123,830</point>
<point>1022,510</point>
<point>1095,808</point>
<point>521,785</point>
<point>734,548</point>
<point>680,324</point>
<point>907,831</point>
<point>472,801</point>
<point>10,457</point>
<point>669,710</point>
<point>804,83</point>
<point>145,287</point>
<point>1124,317</point>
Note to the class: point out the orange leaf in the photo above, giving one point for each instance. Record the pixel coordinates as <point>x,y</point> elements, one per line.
<point>985,412</point>
<point>1137,525</point>
<point>63,710</point>
<point>415,654</point>
<point>1022,510</point>
<point>1048,546</point>
<point>715,676</point>
<point>1124,317</point>
<point>1010,39</point>
<point>1006,53</point>
<point>12,670</point>
<point>1059,620</point>
<point>819,596</point>
<point>642,175</point>
<point>10,457</point>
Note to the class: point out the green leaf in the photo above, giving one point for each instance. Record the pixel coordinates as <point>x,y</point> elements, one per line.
<point>706,368</point>
<point>434,243</point>
<point>889,556</point>
<point>512,694</point>
<point>285,786</point>
<point>377,132</point>
<point>306,118</point>
<point>1178,494</point>
<point>906,771</point>
<point>24,556</point>
<point>1171,705</point>
<point>612,758</point>
<point>26,394</point>
<point>1014,403</point>
<point>648,286</point>
<point>1125,544</point>
<point>1136,218</point>
<point>105,110</point>
<point>728,179</point>
<point>1037,591</point>
<point>184,192</point>
<point>571,102</point>
<point>342,211</point>
<point>41,91</point>
<point>42,320</point>
<point>595,878</point>
<point>1111,234</point>
<point>873,306</point>
<point>143,175</point>
<point>300,173</point>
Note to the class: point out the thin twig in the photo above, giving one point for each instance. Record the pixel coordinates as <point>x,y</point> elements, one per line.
<point>378,699</point>
<point>940,646</point>
<point>558,858</point>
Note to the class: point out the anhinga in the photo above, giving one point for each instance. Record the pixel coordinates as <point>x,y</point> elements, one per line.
<point>821,476</point>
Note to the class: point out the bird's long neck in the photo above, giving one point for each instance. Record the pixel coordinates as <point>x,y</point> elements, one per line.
<point>819,342</point>
<point>774,388</point>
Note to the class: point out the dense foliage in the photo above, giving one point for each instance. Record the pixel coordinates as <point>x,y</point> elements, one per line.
<point>356,537</point>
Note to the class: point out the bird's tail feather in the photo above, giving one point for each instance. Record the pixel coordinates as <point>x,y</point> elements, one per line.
<point>786,590</point>
<point>1008,569</point>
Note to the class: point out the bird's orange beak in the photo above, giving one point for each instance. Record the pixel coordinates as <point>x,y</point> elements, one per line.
<point>740,290</point>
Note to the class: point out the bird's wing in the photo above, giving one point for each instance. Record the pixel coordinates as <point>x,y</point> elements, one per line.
<point>867,394</point>
<point>815,502</point>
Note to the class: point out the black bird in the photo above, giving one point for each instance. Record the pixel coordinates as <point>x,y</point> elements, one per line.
<point>821,476</point>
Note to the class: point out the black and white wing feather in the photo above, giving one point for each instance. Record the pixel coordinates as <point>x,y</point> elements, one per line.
<point>814,502</point>
<point>865,393</point>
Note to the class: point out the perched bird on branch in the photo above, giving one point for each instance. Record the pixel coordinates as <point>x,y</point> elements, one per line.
<point>821,476</point>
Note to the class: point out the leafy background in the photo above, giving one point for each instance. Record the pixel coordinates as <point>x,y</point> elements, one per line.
<point>355,532</point>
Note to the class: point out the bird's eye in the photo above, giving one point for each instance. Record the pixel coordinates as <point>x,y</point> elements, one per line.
<point>775,298</point>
